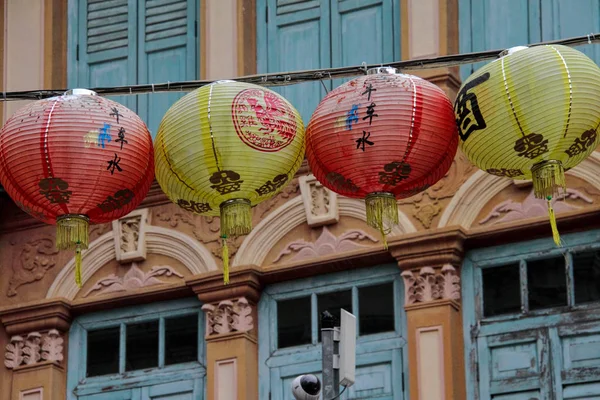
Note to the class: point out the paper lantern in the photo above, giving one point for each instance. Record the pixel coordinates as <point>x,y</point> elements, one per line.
<point>382,137</point>
<point>226,147</point>
<point>75,160</point>
<point>531,114</point>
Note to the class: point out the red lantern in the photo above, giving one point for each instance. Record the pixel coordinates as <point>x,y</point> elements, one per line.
<point>73,160</point>
<point>382,137</point>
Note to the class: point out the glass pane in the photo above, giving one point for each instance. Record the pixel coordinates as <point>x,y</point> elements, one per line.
<point>547,283</point>
<point>586,274</point>
<point>293,322</point>
<point>181,339</point>
<point>501,290</point>
<point>376,308</point>
<point>142,346</point>
<point>103,351</point>
<point>333,302</point>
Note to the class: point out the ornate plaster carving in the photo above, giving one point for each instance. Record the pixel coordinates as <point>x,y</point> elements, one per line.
<point>130,236</point>
<point>326,244</point>
<point>34,260</point>
<point>207,229</point>
<point>195,257</point>
<point>429,284</point>
<point>133,279</point>
<point>481,188</point>
<point>35,348</point>
<point>510,210</point>
<point>274,227</point>
<point>228,316</point>
<point>320,203</point>
<point>426,205</point>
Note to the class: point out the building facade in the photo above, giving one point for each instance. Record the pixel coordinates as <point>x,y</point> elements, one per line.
<point>471,300</point>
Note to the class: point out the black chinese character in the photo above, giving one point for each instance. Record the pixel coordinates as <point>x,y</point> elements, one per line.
<point>121,138</point>
<point>466,108</point>
<point>119,200</point>
<point>509,173</point>
<point>368,90</point>
<point>583,143</point>
<point>340,183</point>
<point>394,173</point>
<point>360,142</point>
<point>531,146</point>
<point>191,205</point>
<point>226,181</point>
<point>115,113</point>
<point>114,163</point>
<point>370,113</point>
<point>55,190</point>
<point>272,186</point>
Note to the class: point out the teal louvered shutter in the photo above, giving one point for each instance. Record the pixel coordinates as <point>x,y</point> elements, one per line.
<point>102,45</point>
<point>366,31</point>
<point>295,35</point>
<point>167,52</point>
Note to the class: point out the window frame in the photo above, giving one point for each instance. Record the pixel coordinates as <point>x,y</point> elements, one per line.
<point>335,283</point>
<point>78,384</point>
<point>477,328</point>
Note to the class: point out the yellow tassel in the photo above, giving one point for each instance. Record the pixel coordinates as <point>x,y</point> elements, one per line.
<point>78,266</point>
<point>72,234</point>
<point>225,261</point>
<point>548,179</point>
<point>382,213</point>
<point>555,234</point>
<point>236,217</point>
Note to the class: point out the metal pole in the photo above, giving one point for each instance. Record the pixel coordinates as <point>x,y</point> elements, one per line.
<point>331,379</point>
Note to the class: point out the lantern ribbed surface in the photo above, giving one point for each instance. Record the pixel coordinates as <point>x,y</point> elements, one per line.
<point>531,114</point>
<point>383,137</point>
<point>76,159</point>
<point>226,147</point>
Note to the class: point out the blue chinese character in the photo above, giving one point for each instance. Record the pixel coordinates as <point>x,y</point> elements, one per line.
<point>104,135</point>
<point>352,116</point>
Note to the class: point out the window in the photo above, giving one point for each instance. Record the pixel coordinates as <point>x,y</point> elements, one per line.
<point>542,283</point>
<point>128,42</point>
<point>139,345</point>
<point>289,330</point>
<point>532,326</point>
<point>375,313</point>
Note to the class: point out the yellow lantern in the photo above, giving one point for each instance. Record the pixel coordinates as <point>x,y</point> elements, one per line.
<point>531,114</point>
<point>226,147</point>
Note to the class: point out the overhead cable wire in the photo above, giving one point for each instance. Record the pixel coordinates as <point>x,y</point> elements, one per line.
<point>295,77</point>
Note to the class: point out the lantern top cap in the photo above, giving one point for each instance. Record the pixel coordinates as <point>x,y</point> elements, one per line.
<point>511,50</point>
<point>382,70</point>
<point>80,92</point>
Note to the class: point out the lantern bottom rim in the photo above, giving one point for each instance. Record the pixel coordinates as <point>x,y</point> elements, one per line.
<point>236,217</point>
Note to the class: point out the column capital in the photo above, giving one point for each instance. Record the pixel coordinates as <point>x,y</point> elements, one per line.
<point>431,286</point>
<point>430,248</point>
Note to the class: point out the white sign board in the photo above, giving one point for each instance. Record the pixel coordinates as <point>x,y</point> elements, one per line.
<point>347,348</point>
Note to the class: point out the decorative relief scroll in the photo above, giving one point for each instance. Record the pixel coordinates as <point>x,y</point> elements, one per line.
<point>228,316</point>
<point>135,278</point>
<point>320,203</point>
<point>130,236</point>
<point>34,260</point>
<point>429,284</point>
<point>325,245</point>
<point>34,349</point>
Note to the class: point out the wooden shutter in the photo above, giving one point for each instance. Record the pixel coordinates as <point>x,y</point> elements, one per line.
<point>167,52</point>
<point>102,48</point>
<point>294,35</point>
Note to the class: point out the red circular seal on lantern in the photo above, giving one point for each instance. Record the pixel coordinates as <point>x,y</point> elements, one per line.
<point>263,120</point>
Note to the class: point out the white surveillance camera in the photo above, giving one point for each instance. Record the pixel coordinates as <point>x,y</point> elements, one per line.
<point>306,387</point>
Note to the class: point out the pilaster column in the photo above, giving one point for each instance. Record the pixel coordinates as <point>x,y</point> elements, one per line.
<point>430,270</point>
<point>231,334</point>
<point>430,29</point>
<point>36,352</point>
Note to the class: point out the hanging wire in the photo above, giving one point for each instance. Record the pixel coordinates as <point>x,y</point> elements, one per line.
<point>295,77</point>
